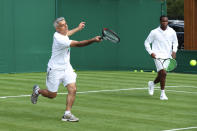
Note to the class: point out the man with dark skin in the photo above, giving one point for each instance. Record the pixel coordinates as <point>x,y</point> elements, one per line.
<point>164,45</point>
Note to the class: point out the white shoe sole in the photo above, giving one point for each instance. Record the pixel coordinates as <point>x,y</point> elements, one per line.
<point>70,120</point>
<point>164,99</point>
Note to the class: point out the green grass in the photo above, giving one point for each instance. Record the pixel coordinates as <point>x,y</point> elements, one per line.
<point>121,110</point>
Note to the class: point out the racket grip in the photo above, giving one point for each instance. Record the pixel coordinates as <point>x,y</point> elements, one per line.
<point>102,37</point>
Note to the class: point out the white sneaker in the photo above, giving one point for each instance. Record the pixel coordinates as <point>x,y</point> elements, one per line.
<point>34,96</point>
<point>151,87</point>
<point>70,117</point>
<point>163,97</point>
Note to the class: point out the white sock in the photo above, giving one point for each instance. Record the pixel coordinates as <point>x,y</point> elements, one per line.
<point>162,92</point>
<point>67,112</point>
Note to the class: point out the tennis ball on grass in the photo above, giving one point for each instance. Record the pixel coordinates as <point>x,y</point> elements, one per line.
<point>193,62</point>
<point>141,71</point>
<point>153,71</point>
<point>135,71</point>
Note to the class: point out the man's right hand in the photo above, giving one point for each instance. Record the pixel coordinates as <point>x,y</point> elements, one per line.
<point>153,55</point>
<point>98,39</point>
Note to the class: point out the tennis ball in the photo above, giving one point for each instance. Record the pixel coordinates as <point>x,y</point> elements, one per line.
<point>135,70</point>
<point>193,62</point>
<point>141,71</point>
<point>153,71</point>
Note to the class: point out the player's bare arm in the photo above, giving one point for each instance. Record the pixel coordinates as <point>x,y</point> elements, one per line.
<point>85,42</point>
<point>80,27</point>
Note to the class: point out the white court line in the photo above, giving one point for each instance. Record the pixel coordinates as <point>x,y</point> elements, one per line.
<point>14,96</point>
<point>182,91</point>
<point>108,90</point>
<point>3,97</point>
<point>145,88</point>
<point>178,129</point>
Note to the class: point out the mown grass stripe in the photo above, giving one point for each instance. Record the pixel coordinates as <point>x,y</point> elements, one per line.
<point>126,110</point>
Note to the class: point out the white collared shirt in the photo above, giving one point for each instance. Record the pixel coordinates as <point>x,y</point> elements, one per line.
<point>163,42</point>
<point>60,58</point>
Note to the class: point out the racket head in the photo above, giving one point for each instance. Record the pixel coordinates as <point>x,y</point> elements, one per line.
<point>172,64</point>
<point>110,35</point>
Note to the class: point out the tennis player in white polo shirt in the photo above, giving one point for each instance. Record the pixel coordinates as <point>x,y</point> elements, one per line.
<point>164,45</point>
<point>59,67</point>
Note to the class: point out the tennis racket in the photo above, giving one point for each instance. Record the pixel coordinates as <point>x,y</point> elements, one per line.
<point>168,64</point>
<point>110,35</point>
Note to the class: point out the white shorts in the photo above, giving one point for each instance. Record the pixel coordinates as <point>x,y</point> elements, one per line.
<point>56,77</point>
<point>159,65</point>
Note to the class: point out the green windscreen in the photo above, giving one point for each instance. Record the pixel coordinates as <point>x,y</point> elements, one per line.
<point>27,34</point>
<point>131,19</point>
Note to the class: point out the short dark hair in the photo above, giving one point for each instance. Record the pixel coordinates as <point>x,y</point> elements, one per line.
<point>162,16</point>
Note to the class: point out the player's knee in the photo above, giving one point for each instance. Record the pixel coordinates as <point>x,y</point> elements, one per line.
<point>163,73</point>
<point>74,89</point>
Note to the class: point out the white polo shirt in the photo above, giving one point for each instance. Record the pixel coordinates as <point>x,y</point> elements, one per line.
<point>163,42</point>
<point>60,58</point>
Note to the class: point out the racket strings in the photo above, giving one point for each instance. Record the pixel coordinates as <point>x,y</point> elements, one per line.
<point>108,35</point>
<point>172,65</point>
<point>113,39</point>
<point>168,64</point>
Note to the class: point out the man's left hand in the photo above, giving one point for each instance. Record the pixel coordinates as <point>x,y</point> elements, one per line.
<point>174,55</point>
<point>81,25</point>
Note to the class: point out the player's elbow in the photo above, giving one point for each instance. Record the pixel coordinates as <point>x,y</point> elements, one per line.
<point>79,44</point>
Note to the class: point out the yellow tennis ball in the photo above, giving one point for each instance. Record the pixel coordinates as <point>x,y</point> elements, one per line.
<point>135,70</point>
<point>153,71</point>
<point>141,71</point>
<point>193,62</point>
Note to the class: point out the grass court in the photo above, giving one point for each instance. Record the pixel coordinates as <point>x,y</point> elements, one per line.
<point>106,101</point>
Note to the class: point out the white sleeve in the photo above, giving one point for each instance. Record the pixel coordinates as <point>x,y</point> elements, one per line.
<point>62,41</point>
<point>174,42</point>
<point>147,43</point>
